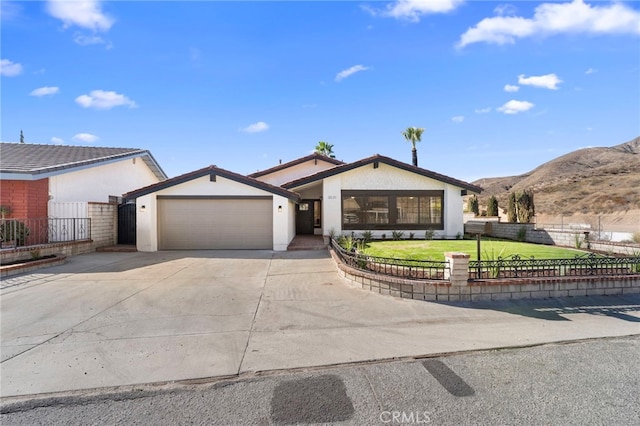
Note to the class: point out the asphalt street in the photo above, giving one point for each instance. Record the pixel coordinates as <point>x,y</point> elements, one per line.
<point>580,383</point>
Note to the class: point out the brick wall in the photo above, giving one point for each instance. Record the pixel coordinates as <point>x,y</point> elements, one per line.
<point>479,290</point>
<point>104,224</point>
<point>27,199</point>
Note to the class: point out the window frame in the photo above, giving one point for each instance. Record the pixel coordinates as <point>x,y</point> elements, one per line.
<point>393,216</point>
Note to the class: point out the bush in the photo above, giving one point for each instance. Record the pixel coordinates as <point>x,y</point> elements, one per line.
<point>525,209</point>
<point>14,230</point>
<point>428,234</point>
<point>473,204</point>
<point>492,206</point>
<point>367,236</point>
<point>522,234</point>
<point>397,235</point>
<point>512,217</point>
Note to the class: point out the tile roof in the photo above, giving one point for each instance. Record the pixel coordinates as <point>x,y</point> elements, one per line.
<point>212,170</point>
<point>386,160</point>
<point>314,156</point>
<point>38,159</point>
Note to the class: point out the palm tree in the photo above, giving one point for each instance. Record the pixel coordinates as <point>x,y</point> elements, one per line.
<point>325,148</point>
<point>413,135</point>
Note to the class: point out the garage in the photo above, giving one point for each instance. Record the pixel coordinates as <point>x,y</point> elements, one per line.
<point>202,223</point>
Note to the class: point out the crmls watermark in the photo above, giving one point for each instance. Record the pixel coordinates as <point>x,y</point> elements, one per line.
<point>404,417</point>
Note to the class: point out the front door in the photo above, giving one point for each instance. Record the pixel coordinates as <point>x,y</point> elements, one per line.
<point>304,217</point>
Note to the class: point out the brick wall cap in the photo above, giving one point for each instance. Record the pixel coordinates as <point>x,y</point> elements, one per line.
<point>456,255</point>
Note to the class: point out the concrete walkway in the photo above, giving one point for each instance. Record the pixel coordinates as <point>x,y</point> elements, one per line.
<point>113,319</point>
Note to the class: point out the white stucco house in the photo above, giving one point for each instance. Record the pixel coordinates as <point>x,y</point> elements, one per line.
<point>214,208</point>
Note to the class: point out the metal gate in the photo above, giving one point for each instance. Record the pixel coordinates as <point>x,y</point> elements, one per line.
<point>127,223</point>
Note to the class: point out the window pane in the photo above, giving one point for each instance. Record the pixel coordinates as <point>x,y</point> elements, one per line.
<point>353,209</point>
<point>377,210</point>
<point>407,209</point>
<point>436,210</point>
<point>424,210</point>
<point>430,210</point>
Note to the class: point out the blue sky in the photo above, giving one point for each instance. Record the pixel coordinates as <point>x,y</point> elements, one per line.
<point>500,87</point>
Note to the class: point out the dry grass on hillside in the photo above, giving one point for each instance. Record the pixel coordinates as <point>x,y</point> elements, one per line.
<point>591,181</point>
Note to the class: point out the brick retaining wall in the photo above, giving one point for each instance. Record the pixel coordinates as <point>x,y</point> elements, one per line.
<point>479,290</point>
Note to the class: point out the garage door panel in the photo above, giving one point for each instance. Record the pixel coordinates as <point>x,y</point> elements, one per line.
<point>200,224</point>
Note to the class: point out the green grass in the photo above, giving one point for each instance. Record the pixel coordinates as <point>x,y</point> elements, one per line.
<point>490,249</point>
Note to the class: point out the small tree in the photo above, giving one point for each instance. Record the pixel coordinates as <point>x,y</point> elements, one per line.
<point>524,206</point>
<point>492,206</point>
<point>473,204</point>
<point>512,217</point>
<point>21,137</point>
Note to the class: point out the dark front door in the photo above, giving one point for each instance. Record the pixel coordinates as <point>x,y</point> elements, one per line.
<point>304,217</point>
<point>127,223</point>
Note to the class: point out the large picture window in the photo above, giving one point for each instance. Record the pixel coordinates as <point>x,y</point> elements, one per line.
<point>392,209</point>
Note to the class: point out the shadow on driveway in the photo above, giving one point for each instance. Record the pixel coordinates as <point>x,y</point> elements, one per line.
<point>557,309</point>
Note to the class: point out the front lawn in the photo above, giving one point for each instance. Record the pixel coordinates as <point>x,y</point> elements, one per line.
<point>490,249</point>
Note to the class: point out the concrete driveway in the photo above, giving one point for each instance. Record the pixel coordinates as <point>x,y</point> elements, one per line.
<point>114,319</point>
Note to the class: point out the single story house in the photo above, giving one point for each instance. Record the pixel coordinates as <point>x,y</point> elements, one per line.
<point>214,208</point>
<point>34,175</point>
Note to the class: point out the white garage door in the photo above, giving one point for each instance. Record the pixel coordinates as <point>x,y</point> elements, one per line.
<point>219,223</point>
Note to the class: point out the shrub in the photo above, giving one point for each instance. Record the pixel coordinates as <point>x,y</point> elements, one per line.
<point>14,230</point>
<point>411,235</point>
<point>522,234</point>
<point>636,237</point>
<point>428,234</point>
<point>35,254</point>
<point>512,217</point>
<point>492,206</point>
<point>524,206</point>
<point>577,240</point>
<point>367,236</point>
<point>473,204</point>
<point>397,235</point>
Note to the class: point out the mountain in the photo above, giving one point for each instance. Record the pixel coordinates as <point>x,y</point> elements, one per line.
<point>587,181</point>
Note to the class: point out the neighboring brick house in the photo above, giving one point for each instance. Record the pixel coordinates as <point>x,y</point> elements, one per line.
<point>31,175</point>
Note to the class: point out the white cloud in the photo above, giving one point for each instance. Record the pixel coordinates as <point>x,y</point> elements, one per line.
<point>100,99</point>
<point>511,88</point>
<point>9,68</point>
<point>88,40</point>
<point>505,10</point>
<point>44,91</point>
<point>258,127</point>
<point>412,10</point>
<point>483,110</point>
<point>549,81</point>
<point>555,18</point>
<point>58,141</point>
<point>514,107</point>
<point>457,119</point>
<point>590,71</point>
<point>85,137</point>
<point>350,71</point>
<point>86,14</point>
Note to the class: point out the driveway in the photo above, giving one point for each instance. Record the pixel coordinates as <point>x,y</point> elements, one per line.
<point>114,319</point>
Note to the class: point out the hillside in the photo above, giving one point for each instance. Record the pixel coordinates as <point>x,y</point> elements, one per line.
<point>588,181</point>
